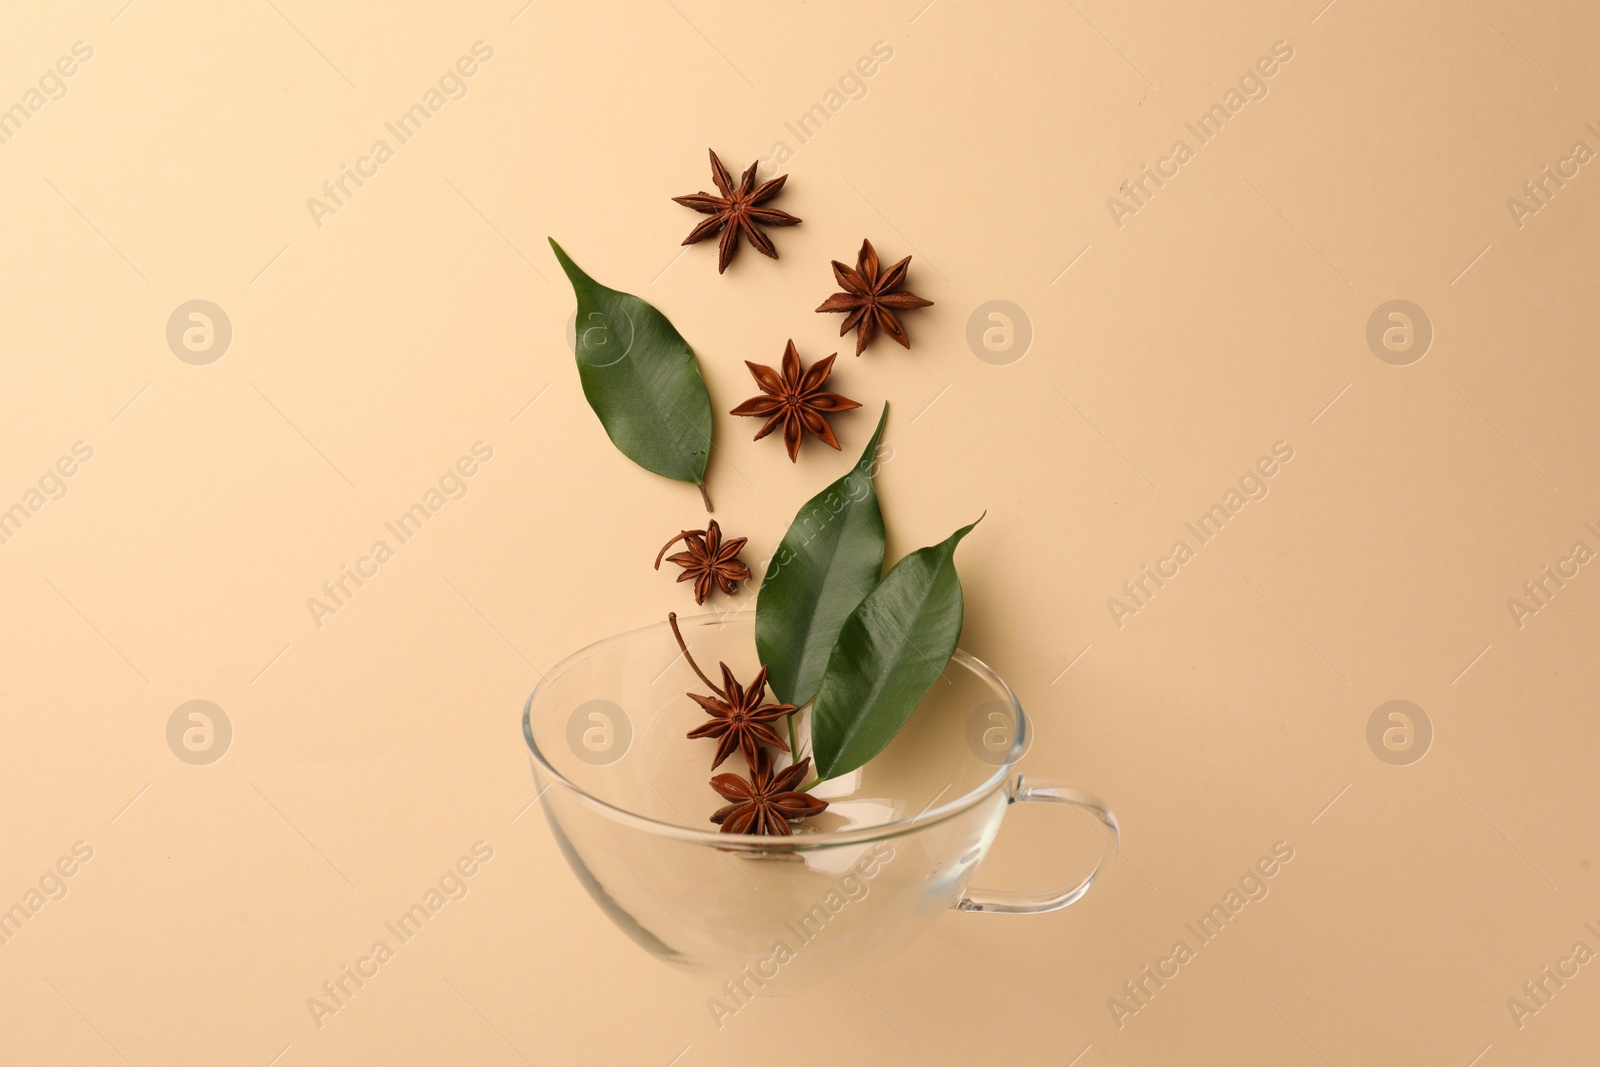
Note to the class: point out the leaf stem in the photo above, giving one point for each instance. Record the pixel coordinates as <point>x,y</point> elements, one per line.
<point>794,744</point>
<point>672,620</point>
<point>701,485</point>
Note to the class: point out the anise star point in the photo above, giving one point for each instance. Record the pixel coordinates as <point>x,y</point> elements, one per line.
<point>870,298</point>
<point>739,719</point>
<point>795,400</point>
<point>767,802</point>
<point>708,560</point>
<point>737,211</point>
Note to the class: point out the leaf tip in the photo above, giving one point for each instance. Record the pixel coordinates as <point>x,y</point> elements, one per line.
<point>957,537</point>
<point>867,464</point>
<point>572,270</point>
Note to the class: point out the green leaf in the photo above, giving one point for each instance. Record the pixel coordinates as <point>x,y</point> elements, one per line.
<point>641,378</point>
<point>830,558</point>
<point>890,651</point>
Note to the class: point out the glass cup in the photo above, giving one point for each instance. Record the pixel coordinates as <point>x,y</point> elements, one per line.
<point>626,796</point>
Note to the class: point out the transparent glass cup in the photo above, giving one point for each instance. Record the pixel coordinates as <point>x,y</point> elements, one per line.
<point>626,796</point>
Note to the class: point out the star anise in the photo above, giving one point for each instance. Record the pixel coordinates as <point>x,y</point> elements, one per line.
<point>795,399</point>
<point>739,719</point>
<point>736,212</point>
<point>767,802</point>
<point>871,299</point>
<point>709,561</point>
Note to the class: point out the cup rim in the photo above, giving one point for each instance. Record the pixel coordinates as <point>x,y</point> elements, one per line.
<point>754,842</point>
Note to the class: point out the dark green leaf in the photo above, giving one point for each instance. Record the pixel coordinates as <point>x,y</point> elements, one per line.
<point>890,651</point>
<point>641,378</point>
<point>830,558</point>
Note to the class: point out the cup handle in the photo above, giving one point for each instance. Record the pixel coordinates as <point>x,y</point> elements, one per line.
<point>1004,902</point>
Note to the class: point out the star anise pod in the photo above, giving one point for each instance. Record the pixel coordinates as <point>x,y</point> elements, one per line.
<point>871,299</point>
<point>739,719</point>
<point>736,211</point>
<point>708,560</point>
<point>795,399</point>
<point>767,802</point>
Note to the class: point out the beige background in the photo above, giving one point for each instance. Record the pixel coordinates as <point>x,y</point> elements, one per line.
<point>427,314</point>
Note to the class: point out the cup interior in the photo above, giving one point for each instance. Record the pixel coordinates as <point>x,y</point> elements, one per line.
<point>610,723</point>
